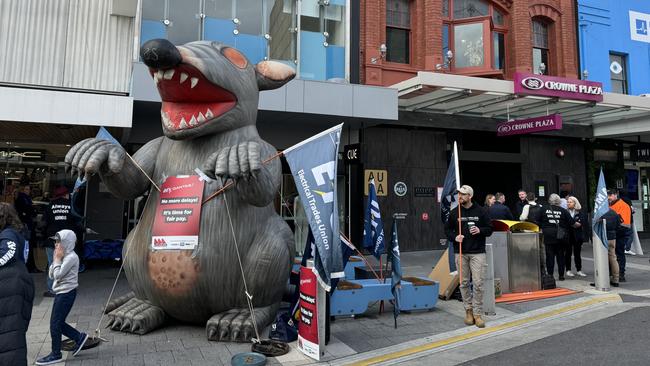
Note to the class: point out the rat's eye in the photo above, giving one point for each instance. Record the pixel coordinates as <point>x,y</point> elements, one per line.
<point>235,57</point>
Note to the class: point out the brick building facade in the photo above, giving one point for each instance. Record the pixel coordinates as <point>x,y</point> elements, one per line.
<point>422,31</point>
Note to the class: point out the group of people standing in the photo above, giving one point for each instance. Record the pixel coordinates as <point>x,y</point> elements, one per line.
<point>562,222</point>
<point>17,285</point>
<point>564,226</point>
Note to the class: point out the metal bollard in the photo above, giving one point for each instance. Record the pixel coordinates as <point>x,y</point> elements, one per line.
<point>489,307</point>
<point>601,263</point>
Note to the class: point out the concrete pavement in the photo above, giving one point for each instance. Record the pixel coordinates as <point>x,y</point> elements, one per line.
<point>440,333</point>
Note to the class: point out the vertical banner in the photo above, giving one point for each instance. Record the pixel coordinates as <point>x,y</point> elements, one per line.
<point>178,214</point>
<point>599,237</point>
<point>311,320</point>
<point>313,164</point>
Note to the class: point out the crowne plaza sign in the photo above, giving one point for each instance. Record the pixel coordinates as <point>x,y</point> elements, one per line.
<point>553,86</point>
<point>530,125</point>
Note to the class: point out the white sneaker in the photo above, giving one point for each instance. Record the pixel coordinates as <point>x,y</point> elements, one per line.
<point>581,274</point>
<point>569,274</point>
<point>629,252</point>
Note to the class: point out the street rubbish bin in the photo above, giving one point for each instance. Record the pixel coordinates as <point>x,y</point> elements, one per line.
<point>516,255</point>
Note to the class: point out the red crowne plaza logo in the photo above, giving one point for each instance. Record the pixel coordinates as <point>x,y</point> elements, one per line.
<point>159,242</point>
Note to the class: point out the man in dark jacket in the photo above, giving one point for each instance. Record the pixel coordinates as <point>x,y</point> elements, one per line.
<point>523,201</point>
<point>25,209</point>
<point>16,290</point>
<point>475,227</point>
<point>58,217</point>
<point>499,211</point>
<point>613,224</point>
<point>555,223</point>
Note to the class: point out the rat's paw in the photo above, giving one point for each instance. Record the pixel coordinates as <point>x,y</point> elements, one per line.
<point>237,161</point>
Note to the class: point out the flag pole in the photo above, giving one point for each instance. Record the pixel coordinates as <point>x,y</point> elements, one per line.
<point>460,245</point>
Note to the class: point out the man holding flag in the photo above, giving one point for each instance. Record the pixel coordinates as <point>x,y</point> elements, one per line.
<point>449,201</point>
<point>475,226</point>
<point>373,229</point>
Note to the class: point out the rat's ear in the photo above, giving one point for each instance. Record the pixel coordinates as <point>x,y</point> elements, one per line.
<point>273,74</point>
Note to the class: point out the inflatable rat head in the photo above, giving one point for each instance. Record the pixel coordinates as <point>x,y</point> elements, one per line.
<point>207,87</point>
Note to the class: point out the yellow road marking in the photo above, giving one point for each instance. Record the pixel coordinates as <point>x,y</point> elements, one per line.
<point>480,332</point>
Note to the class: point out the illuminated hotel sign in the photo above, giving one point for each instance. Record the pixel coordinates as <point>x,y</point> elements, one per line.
<point>530,125</point>
<point>552,86</point>
<point>20,154</point>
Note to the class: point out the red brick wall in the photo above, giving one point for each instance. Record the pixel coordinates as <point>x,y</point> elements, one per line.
<point>426,39</point>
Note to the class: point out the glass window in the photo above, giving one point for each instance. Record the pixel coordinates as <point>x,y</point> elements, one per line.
<point>249,13</point>
<point>282,22</point>
<point>498,50</point>
<point>445,8</point>
<point>398,31</point>
<point>220,9</point>
<point>540,34</point>
<point>398,13</point>
<point>445,40</point>
<point>497,17</point>
<point>470,8</point>
<point>468,43</point>
<point>618,73</point>
<point>397,45</point>
<point>184,21</point>
<point>540,56</point>
<point>153,10</point>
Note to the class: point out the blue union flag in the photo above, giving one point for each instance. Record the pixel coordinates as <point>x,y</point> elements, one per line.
<point>373,228</point>
<point>601,207</point>
<point>313,166</point>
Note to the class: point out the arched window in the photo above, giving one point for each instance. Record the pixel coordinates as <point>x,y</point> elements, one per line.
<point>474,30</point>
<point>540,47</point>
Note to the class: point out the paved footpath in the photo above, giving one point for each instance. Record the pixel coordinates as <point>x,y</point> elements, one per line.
<point>422,338</point>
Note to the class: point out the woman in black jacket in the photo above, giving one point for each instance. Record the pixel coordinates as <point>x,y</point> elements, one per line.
<point>555,222</point>
<point>16,290</point>
<point>576,237</point>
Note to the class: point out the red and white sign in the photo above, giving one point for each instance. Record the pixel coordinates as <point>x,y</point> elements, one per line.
<point>308,340</point>
<point>178,214</point>
<point>553,86</point>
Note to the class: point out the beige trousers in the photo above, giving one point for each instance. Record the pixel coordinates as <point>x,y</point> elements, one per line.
<point>474,268</point>
<point>613,264</point>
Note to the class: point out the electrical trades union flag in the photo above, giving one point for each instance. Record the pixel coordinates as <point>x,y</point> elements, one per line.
<point>313,166</point>
<point>601,207</point>
<point>373,228</point>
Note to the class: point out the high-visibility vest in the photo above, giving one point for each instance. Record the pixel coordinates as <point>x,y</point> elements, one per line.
<point>624,210</point>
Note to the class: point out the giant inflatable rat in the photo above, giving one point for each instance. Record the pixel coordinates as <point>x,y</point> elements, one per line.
<point>209,95</point>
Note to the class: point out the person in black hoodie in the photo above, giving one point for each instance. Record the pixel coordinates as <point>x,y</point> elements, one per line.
<point>555,222</point>
<point>58,217</point>
<point>475,227</point>
<point>16,290</point>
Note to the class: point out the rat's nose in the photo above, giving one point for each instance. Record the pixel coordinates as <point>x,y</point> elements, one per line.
<point>160,54</point>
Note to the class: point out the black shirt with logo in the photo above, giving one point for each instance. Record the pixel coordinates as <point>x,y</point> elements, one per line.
<point>59,217</point>
<point>473,216</point>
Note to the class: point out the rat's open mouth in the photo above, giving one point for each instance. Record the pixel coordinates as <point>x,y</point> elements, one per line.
<point>188,98</point>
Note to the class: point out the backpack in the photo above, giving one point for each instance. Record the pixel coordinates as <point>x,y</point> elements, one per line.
<point>534,213</point>
<point>284,328</point>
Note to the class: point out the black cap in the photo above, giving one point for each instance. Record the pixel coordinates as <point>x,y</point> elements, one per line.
<point>612,191</point>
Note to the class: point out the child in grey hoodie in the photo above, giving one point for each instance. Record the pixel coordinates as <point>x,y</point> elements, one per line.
<point>64,271</point>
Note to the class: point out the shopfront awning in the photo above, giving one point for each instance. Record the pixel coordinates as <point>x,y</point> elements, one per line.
<point>440,93</point>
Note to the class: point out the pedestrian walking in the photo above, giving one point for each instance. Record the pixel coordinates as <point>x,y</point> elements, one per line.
<point>624,231</point>
<point>64,272</point>
<point>16,290</point>
<point>555,223</point>
<point>58,216</point>
<point>475,227</point>
<point>576,236</point>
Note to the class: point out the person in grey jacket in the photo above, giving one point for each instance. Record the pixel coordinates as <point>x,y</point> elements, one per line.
<point>64,271</point>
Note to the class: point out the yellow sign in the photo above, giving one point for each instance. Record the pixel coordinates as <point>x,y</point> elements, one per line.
<point>381,181</point>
